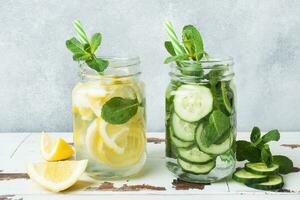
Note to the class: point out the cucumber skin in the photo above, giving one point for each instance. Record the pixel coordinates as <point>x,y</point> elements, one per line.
<point>248,181</point>
<point>172,141</point>
<point>173,130</point>
<point>168,108</point>
<point>197,163</point>
<point>267,187</point>
<point>171,147</point>
<point>190,172</point>
<point>192,162</point>
<point>178,146</point>
<point>261,172</point>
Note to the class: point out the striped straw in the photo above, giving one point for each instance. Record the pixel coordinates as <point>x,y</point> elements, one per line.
<point>174,39</point>
<point>77,25</point>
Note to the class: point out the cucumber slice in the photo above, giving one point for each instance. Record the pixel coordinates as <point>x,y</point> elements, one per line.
<point>179,143</point>
<point>246,177</point>
<point>194,155</point>
<point>274,182</point>
<point>214,149</point>
<point>196,168</point>
<point>225,94</point>
<point>262,168</point>
<point>183,130</point>
<point>193,102</point>
<point>233,89</point>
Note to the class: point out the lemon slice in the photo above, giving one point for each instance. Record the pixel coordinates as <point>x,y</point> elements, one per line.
<point>96,97</point>
<point>85,112</point>
<point>54,149</point>
<point>111,138</point>
<point>116,146</point>
<point>94,142</point>
<point>115,138</point>
<point>56,176</point>
<point>87,99</point>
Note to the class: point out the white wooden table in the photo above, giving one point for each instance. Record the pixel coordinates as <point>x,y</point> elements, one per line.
<point>18,148</point>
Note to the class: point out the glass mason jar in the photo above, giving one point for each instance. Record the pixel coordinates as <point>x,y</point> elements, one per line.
<point>114,149</point>
<point>201,120</point>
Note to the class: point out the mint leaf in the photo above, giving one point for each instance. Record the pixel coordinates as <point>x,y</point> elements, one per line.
<point>118,110</point>
<point>174,58</point>
<point>87,48</point>
<point>95,42</point>
<point>224,136</point>
<point>220,121</point>
<point>285,164</point>
<point>217,130</point>
<point>272,135</point>
<point>209,134</point>
<point>170,48</point>
<point>75,46</point>
<point>192,41</point>
<point>81,56</point>
<point>246,151</point>
<point>255,134</point>
<point>97,64</point>
<point>191,69</point>
<point>79,29</point>
<point>241,145</point>
<point>266,155</point>
<point>214,76</point>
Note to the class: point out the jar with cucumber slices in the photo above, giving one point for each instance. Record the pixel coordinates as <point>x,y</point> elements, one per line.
<point>200,113</point>
<point>108,106</point>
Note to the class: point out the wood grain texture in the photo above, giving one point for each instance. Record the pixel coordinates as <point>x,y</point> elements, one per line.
<point>154,181</point>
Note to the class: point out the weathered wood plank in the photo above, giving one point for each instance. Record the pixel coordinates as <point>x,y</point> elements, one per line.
<point>154,196</point>
<point>9,143</point>
<point>154,174</point>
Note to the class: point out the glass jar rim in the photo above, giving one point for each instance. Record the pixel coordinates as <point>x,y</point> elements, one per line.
<point>209,63</point>
<point>191,71</point>
<point>118,67</point>
<point>121,61</point>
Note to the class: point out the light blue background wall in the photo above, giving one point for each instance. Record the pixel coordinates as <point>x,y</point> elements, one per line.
<point>37,72</point>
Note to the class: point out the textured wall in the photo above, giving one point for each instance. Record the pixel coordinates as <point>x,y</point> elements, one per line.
<point>37,72</point>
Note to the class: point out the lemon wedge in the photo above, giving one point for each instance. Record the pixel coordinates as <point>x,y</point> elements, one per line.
<point>56,176</point>
<point>54,149</point>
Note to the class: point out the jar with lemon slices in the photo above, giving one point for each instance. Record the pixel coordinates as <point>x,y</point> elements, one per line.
<point>109,119</point>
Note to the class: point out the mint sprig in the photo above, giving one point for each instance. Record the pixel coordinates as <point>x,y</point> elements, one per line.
<point>258,150</point>
<point>191,47</point>
<point>84,50</point>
